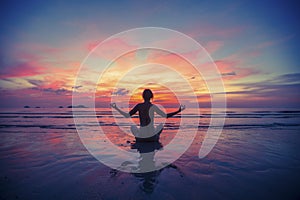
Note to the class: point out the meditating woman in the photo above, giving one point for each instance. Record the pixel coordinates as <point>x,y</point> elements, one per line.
<point>147,131</point>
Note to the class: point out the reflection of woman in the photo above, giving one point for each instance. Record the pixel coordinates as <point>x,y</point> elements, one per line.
<point>146,172</point>
<point>147,165</point>
<point>146,110</point>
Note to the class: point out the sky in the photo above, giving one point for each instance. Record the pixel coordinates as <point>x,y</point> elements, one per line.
<point>254,44</point>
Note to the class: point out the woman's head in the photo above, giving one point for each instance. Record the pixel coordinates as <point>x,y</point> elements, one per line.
<point>147,95</point>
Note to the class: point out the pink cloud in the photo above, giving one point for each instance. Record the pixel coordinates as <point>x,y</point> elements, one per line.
<point>213,46</point>
<point>112,46</point>
<point>31,60</point>
<point>230,69</point>
<point>41,66</point>
<point>24,69</point>
<point>34,68</point>
<point>91,45</point>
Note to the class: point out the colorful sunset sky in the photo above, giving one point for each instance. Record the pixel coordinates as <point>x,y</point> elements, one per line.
<point>254,44</point>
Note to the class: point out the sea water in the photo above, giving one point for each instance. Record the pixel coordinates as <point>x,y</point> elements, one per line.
<point>256,157</point>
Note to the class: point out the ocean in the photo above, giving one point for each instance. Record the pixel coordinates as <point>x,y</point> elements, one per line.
<point>257,156</point>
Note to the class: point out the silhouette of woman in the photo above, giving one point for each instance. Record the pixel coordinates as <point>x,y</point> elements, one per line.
<point>147,132</point>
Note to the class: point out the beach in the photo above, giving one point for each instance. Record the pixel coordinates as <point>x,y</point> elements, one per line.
<point>256,157</point>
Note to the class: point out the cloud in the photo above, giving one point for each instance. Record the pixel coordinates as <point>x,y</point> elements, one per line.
<point>77,87</point>
<point>110,48</point>
<point>60,91</point>
<point>213,46</point>
<point>274,42</point>
<point>278,83</point>
<point>36,82</point>
<point>21,69</point>
<point>213,31</point>
<point>280,91</point>
<point>229,74</point>
<point>120,92</point>
<point>230,68</point>
<point>288,78</point>
<point>91,45</point>
<point>43,97</point>
<point>37,48</point>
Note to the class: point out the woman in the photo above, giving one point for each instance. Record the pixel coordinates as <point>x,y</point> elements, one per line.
<point>147,132</point>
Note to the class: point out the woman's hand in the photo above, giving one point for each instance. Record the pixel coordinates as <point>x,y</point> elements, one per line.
<point>181,108</point>
<point>113,105</point>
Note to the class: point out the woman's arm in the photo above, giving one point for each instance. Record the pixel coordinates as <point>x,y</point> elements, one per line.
<point>181,108</point>
<point>163,114</point>
<point>125,114</point>
<point>114,105</point>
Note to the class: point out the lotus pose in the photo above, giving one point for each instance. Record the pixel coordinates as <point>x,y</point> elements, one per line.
<point>147,132</point>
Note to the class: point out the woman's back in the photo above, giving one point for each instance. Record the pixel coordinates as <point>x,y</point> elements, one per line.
<point>146,114</point>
